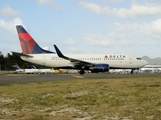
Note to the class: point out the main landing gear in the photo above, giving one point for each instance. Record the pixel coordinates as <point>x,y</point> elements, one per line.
<point>132,71</point>
<point>81,72</point>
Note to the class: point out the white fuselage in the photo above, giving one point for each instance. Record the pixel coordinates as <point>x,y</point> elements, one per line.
<point>113,60</point>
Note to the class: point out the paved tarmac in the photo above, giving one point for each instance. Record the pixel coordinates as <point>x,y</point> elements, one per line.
<point>28,78</point>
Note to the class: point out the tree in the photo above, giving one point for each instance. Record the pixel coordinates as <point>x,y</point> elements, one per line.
<point>7,62</point>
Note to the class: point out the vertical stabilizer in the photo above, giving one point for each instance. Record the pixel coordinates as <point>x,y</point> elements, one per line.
<point>28,44</point>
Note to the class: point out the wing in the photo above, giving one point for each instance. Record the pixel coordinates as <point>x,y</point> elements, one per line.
<point>75,62</point>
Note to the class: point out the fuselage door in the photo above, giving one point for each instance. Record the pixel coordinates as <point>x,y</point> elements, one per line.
<point>130,60</point>
<point>43,60</point>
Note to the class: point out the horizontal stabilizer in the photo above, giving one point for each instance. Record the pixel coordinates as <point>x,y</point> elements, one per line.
<point>21,54</point>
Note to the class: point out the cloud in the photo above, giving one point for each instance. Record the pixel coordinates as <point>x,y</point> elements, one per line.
<point>152,29</point>
<point>97,9</point>
<point>139,10</point>
<point>127,35</point>
<point>112,1</point>
<point>9,12</point>
<point>74,49</point>
<point>96,40</point>
<point>10,25</point>
<point>108,41</point>
<point>70,42</point>
<point>50,3</point>
<point>133,12</point>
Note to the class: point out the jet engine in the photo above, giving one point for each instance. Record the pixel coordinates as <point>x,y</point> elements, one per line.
<point>100,68</point>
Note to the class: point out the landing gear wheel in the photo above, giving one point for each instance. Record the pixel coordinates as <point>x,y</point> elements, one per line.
<point>132,71</point>
<point>81,72</point>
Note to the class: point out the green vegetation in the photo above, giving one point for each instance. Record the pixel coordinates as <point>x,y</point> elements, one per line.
<point>131,98</point>
<point>8,61</point>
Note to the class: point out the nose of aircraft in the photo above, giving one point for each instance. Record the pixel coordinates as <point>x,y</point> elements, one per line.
<point>145,62</point>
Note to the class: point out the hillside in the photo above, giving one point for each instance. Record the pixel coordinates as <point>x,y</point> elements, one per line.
<point>154,61</point>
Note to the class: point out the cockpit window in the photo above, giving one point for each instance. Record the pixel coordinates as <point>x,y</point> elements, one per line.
<point>138,58</point>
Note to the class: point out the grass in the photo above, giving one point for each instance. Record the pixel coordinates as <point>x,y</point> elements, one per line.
<point>124,98</point>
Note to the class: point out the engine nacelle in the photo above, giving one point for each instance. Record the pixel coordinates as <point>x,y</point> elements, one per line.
<point>100,68</point>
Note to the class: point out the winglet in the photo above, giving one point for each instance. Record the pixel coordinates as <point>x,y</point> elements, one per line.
<point>59,53</point>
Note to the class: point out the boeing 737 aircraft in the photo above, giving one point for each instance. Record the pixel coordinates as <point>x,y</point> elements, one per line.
<point>33,53</point>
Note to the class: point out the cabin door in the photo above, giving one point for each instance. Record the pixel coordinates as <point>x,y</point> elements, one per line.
<point>130,60</point>
<point>43,60</point>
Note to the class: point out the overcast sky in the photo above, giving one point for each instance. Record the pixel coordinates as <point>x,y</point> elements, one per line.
<point>84,26</point>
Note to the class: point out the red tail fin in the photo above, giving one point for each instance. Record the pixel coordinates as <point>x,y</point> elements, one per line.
<point>28,44</point>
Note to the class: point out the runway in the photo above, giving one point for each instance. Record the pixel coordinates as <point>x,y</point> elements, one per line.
<point>29,78</point>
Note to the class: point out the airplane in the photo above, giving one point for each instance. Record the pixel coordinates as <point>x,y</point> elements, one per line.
<point>151,68</point>
<point>42,71</point>
<point>46,71</point>
<point>32,70</point>
<point>96,63</point>
<point>123,71</point>
<point>27,71</point>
